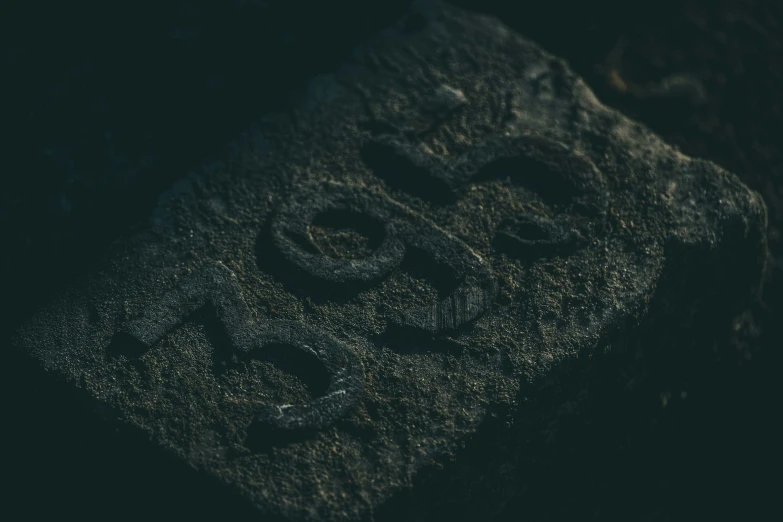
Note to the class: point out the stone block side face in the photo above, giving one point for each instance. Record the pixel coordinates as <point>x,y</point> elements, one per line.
<point>337,306</point>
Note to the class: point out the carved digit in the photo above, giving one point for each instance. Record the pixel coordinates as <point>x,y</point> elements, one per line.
<point>406,234</point>
<point>564,179</point>
<point>216,285</point>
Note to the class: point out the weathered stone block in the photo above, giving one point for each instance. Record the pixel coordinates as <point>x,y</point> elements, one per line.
<point>439,229</point>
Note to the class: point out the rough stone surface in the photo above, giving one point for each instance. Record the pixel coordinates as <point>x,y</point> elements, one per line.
<point>446,225</point>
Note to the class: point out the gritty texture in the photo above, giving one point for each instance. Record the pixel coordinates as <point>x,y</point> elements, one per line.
<point>504,227</point>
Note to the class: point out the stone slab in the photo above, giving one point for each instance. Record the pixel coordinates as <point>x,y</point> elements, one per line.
<point>324,319</point>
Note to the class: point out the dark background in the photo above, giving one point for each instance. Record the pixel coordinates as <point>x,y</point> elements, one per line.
<point>104,104</point>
